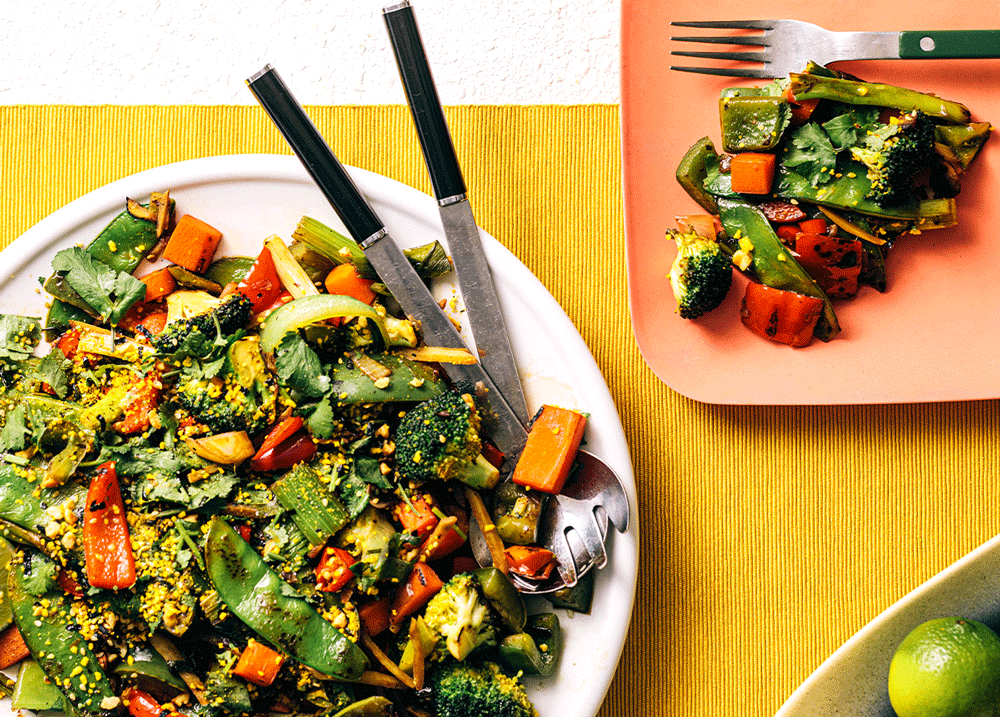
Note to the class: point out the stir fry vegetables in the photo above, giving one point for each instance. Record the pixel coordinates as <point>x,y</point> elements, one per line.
<point>231,486</point>
<point>820,175</point>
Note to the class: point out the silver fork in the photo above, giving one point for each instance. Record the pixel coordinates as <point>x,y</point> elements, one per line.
<point>787,45</point>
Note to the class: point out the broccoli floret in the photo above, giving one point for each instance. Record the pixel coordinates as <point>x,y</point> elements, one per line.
<point>439,440</point>
<point>460,690</point>
<point>197,335</point>
<point>895,154</point>
<point>460,614</point>
<point>240,397</point>
<point>700,275</point>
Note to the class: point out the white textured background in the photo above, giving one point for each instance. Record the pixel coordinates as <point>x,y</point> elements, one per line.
<point>329,52</point>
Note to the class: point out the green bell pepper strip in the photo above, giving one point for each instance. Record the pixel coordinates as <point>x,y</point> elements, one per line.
<point>503,596</point>
<point>577,598</point>
<point>268,605</point>
<point>753,124</point>
<point>230,269</point>
<point>517,512</point>
<point>693,170</point>
<point>53,637</point>
<point>377,706</point>
<point>772,263</point>
<point>535,651</point>
<point>409,381</point>
<point>308,310</point>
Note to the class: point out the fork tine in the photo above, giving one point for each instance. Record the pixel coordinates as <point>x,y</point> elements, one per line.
<point>724,71</point>
<point>728,24</point>
<point>759,40</point>
<point>737,56</point>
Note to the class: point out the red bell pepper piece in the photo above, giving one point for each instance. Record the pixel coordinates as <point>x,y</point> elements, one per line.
<point>375,616</point>
<point>418,589</point>
<point>833,262</point>
<point>286,445</point>
<point>261,285</point>
<point>782,316</point>
<point>141,704</point>
<point>106,545</point>
<point>334,570</point>
<point>530,562</point>
<point>417,516</point>
<point>813,226</point>
<point>451,540</point>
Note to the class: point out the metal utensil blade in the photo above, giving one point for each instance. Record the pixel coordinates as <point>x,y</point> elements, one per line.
<point>482,303</point>
<point>395,270</point>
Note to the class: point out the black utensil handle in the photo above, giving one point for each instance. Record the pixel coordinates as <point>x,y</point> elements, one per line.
<point>315,154</point>
<point>435,140</point>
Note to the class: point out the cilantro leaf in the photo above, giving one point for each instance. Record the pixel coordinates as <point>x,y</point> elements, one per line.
<point>108,292</point>
<point>299,368</point>
<point>847,128</point>
<point>15,429</point>
<point>811,154</point>
<point>53,370</point>
<point>320,421</point>
<point>18,336</point>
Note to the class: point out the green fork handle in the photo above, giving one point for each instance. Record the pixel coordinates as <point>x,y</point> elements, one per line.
<point>945,44</point>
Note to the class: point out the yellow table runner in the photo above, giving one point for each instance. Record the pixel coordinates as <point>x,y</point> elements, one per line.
<point>769,535</point>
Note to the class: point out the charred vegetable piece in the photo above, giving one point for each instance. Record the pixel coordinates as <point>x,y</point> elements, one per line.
<point>833,261</point>
<point>804,86</point>
<point>781,316</point>
<point>267,604</point>
<point>189,280</point>
<point>106,543</point>
<point>577,598</point>
<point>518,512</point>
<point>503,597</point>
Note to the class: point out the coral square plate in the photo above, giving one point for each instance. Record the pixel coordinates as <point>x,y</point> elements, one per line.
<point>929,337</point>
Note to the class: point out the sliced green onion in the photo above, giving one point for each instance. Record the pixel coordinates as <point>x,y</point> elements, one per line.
<point>309,310</point>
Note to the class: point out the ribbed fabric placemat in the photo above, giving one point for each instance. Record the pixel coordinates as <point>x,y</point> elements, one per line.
<point>769,535</point>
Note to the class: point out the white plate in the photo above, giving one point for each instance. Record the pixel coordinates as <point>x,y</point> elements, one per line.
<point>249,197</point>
<point>852,681</point>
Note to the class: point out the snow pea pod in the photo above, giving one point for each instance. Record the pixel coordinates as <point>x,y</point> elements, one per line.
<point>255,594</point>
<point>53,637</point>
<point>20,506</point>
<point>771,261</point>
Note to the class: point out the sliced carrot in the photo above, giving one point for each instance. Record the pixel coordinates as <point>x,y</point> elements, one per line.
<point>344,279</point>
<point>159,284</point>
<point>12,647</point>
<point>375,616</point>
<point>782,316</point>
<point>812,226</point>
<point>192,244</point>
<point>551,448</point>
<point>418,589</point>
<point>258,663</point>
<point>752,172</point>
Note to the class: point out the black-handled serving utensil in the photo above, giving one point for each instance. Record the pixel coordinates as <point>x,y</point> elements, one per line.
<point>464,243</point>
<point>392,266</point>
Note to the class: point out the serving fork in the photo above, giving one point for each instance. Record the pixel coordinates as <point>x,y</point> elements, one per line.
<point>785,46</point>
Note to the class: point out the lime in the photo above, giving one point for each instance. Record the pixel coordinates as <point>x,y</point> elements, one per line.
<point>948,667</point>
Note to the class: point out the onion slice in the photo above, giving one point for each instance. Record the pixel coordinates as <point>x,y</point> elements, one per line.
<point>310,310</point>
